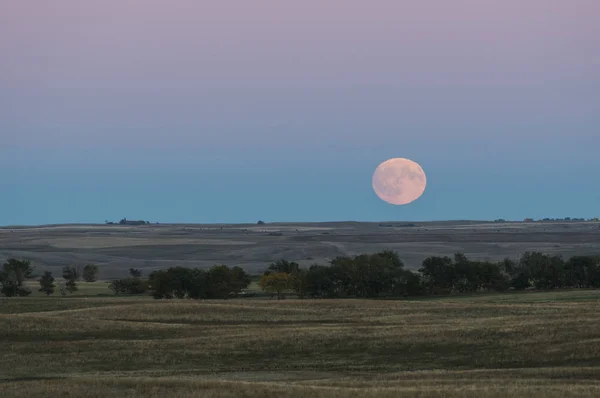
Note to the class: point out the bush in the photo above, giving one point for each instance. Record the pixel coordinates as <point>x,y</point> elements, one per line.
<point>129,286</point>
<point>90,273</point>
<point>71,286</point>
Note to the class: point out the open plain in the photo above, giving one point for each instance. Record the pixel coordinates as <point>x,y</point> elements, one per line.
<point>93,344</point>
<point>496,345</point>
<point>117,248</point>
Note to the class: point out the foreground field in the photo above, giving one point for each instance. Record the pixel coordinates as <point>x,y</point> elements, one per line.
<point>527,344</point>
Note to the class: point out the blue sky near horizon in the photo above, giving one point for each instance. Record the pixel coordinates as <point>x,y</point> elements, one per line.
<point>211,111</point>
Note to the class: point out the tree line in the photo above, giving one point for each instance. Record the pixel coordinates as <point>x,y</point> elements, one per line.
<point>15,272</point>
<point>365,276</point>
<point>375,275</point>
<point>218,282</point>
<point>383,275</point>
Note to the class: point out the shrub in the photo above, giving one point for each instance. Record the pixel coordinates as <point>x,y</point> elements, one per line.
<point>90,273</point>
<point>129,286</point>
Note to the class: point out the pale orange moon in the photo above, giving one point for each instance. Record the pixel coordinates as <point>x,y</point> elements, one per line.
<point>399,181</point>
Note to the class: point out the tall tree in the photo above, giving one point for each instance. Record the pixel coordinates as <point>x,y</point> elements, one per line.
<point>135,272</point>
<point>71,286</point>
<point>582,271</point>
<point>393,257</point>
<point>160,284</point>
<point>275,283</point>
<point>546,272</point>
<point>299,283</point>
<point>47,283</point>
<point>283,266</point>
<point>14,272</point>
<point>239,280</point>
<point>438,274</point>
<point>220,281</point>
<point>19,269</point>
<point>177,282</point>
<point>71,275</point>
<point>90,273</point>
<point>321,281</point>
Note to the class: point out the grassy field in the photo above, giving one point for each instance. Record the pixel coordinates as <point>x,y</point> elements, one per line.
<point>525,344</point>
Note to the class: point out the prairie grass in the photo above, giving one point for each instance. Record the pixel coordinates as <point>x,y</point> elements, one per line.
<point>534,344</point>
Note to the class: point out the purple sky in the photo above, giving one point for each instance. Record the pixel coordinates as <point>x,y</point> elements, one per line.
<point>296,93</point>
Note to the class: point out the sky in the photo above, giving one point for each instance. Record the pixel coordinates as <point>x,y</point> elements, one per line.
<point>225,111</point>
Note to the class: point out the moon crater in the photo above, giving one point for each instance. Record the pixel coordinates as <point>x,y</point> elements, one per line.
<point>399,181</point>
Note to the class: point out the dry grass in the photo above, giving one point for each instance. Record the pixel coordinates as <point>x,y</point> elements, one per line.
<point>536,344</point>
<point>459,386</point>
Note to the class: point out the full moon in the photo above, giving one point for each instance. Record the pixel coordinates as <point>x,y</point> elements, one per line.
<point>399,181</point>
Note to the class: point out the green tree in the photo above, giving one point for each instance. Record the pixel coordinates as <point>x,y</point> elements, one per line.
<point>135,272</point>
<point>116,286</point>
<point>299,282</point>
<point>177,282</point>
<point>321,281</point>
<point>410,284</point>
<point>90,273</point>
<point>466,275</point>
<point>71,286</point>
<point>283,266</point>
<point>520,278</point>
<point>275,283</point>
<point>21,269</point>
<point>14,272</point>
<point>239,280</point>
<point>198,287</point>
<point>71,275</point>
<point>342,275</point>
<point>582,271</point>
<point>160,284</point>
<point>181,281</point>
<point>47,283</point>
<point>393,257</point>
<point>129,286</point>
<point>367,275</point>
<point>220,281</point>
<point>546,272</point>
<point>492,276</point>
<point>507,266</point>
<point>438,274</point>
